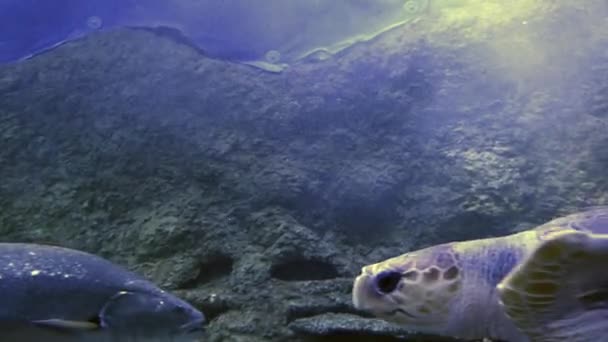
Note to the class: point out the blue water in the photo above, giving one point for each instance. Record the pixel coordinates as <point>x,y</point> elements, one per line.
<point>31,26</point>
<point>277,31</point>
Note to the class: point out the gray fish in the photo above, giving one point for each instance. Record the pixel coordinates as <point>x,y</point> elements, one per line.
<point>65,294</point>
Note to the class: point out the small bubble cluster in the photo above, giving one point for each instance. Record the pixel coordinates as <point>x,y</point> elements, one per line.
<point>94,22</point>
<point>273,56</point>
<point>414,6</point>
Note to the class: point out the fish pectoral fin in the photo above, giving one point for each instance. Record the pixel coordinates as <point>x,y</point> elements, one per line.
<point>66,324</point>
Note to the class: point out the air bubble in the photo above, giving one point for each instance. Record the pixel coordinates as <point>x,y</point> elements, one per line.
<point>94,22</point>
<point>273,56</point>
<point>413,6</point>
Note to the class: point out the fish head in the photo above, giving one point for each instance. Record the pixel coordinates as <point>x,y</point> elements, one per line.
<point>152,314</point>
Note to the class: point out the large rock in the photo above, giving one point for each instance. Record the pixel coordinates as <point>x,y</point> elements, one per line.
<point>332,327</point>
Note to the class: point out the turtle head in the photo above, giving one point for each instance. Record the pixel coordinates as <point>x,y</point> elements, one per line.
<point>417,289</point>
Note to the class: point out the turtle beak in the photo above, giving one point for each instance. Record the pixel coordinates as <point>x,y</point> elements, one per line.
<point>363,292</point>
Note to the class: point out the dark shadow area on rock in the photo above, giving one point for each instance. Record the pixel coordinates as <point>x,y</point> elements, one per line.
<point>301,269</point>
<point>215,267</point>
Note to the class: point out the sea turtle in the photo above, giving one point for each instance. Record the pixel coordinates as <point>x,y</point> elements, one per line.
<point>46,290</point>
<point>546,284</point>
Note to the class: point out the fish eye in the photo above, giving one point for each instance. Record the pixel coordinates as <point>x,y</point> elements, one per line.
<point>386,282</point>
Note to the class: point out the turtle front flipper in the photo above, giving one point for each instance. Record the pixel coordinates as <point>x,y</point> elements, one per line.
<point>560,292</point>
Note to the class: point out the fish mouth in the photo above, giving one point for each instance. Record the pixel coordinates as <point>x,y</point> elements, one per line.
<point>193,326</point>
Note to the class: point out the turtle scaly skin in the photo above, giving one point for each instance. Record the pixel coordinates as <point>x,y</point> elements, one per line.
<point>512,288</point>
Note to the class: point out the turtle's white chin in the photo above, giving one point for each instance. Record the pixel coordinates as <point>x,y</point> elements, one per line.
<point>361,292</point>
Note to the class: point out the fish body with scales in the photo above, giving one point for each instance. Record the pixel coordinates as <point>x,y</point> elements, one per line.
<point>64,293</point>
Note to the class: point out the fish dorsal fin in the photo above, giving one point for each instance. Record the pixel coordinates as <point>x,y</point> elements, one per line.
<point>560,292</point>
<point>66,324</point>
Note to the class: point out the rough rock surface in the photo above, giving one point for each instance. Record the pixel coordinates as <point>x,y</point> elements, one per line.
<point>259,196</point>
<point>350,327</point>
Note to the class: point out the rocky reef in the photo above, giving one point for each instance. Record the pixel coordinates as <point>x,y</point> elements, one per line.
<point>259,196</point>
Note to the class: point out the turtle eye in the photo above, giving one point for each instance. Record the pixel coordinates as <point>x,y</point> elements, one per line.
<point>386,282</point>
